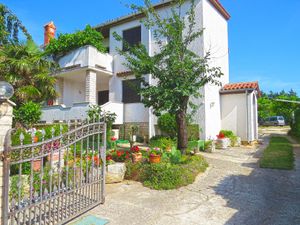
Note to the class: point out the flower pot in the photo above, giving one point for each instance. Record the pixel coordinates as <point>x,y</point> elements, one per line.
<point>35,139</point>
<point>137,157</point>
<point>37,164</point>
<point>222,143</point>
<point>154,158</point>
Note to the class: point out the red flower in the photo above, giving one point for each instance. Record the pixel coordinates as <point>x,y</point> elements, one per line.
<point>135,149</point>
<point>221,135</point>
<point>113,139</point>
<point>119,153</point>
<point>108,157</point>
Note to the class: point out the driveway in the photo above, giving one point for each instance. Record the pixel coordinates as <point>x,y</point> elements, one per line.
<point>232,191</point>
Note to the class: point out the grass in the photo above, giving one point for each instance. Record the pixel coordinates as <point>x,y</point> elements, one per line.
<point>278,155</point>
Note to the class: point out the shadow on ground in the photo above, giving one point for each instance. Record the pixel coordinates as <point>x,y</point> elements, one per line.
<point>264,197</point>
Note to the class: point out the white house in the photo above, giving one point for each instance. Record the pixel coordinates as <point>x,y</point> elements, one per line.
<point>89,77</point>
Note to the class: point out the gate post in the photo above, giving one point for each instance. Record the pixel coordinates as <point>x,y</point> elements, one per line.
<point>6,112</point>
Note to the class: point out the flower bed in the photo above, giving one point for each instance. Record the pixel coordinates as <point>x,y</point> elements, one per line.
<point>168,174</point>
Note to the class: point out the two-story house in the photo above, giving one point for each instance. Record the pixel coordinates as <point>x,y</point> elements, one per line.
<point>89,77</point>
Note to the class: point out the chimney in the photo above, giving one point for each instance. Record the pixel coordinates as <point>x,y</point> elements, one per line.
<point>49,32</point>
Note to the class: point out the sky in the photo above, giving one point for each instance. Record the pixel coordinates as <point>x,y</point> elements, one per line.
<point>264,35</point>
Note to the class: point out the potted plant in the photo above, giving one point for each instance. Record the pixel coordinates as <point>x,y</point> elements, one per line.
<point>37,164</point>
<point>136,154</point>
<point>155,155</point>
<point>133,132</point>
<point>222,142</point>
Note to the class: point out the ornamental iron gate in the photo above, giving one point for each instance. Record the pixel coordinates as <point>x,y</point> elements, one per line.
<point>54,180</point>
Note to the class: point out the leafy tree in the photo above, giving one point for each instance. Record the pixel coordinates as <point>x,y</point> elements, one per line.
<point>24,66</point>
<point>179,72</point>
<point>10,26</point>
<point>268,106</point>
<point>68,42</point>
<point>167,123</point>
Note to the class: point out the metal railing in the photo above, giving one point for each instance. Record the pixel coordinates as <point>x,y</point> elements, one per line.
<point>55,180</point>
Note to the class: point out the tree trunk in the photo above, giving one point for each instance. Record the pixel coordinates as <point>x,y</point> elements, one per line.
<point>182,131</point>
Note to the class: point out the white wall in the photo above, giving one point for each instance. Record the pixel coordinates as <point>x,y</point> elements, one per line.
<point>87,56</point>
<point>234,114</point>
<point>239,114</point>
<point>136,112</point>
<point>74,92</point>
<point>216,42</point>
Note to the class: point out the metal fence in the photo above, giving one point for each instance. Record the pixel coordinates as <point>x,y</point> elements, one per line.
<point>52,181</point>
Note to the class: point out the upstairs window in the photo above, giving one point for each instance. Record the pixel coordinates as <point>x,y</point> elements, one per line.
<point>132,37</point>
<point>130,94</point>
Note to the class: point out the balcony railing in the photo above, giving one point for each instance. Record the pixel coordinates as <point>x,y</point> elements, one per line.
<point>87,56</point>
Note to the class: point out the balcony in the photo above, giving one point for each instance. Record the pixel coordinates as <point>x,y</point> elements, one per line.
<point>87,57</point>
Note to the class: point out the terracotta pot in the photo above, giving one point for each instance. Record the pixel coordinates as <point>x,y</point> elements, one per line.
<point>137,157</point>
<point>37,164</point>
<point>35,139</point>
<point>154,158</point>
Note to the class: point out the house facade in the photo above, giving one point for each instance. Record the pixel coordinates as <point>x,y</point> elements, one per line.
<point>88,77</point>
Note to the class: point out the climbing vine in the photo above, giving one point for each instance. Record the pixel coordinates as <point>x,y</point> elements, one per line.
<point>68,42</point>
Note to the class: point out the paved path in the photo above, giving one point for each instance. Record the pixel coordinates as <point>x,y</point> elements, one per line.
<point>233,191</point>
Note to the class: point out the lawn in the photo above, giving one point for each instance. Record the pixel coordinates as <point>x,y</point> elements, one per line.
<point>278,155</point>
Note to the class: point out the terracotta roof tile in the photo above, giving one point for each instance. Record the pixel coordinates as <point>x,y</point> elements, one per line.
<point>124,73</point>
<point>241,86</point>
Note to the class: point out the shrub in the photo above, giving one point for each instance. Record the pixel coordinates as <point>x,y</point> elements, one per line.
<point>68,42</point>
<point>295,126</point>
<point>27,136</point>
<point>167,124</point>
<point>28,114</point>
<point>162,142</point>
<point>167,175</point>
<point>193,132</point>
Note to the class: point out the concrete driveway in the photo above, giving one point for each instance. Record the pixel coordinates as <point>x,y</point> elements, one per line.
<point>232,191</point>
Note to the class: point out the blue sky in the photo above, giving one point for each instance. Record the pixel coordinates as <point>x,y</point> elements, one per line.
<point>264,35</point>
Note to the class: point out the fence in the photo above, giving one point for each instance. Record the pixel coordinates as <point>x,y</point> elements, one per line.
<point>52,181</point>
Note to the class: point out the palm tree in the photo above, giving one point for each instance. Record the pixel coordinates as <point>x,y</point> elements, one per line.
<point>25,66</point>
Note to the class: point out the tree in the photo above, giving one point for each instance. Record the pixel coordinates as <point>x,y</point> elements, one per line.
<point>25,67</point>
<point>10,26</point>
<point>179,72</point>
<point>268,106</point>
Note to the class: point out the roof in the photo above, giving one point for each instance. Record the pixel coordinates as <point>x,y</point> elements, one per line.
<point>104,27</point>
<point>240,87</point>
<point>124,74</point>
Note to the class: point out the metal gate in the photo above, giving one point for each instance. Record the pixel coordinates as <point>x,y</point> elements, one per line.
<point>52,181</point>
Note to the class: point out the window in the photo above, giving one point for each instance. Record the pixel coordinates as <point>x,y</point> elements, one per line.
<point>130,94</point>
<point>132,37</point>
<point>103,97</point>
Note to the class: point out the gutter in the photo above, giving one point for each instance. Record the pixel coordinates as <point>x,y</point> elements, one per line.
<point>235,91</point>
